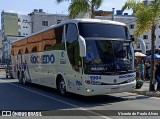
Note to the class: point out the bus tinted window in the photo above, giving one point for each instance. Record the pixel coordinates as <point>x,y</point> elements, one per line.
<point>73,46</point>
<point>103,30</point>
<point>34,49</point>
<point>72,33</point>
<point>26,51</point>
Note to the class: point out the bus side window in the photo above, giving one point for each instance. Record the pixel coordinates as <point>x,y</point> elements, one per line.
<point>73,45</point>
<point>26,51</point>
<point>34,49</point>
<point>47,47</point>
<point>59,38</point>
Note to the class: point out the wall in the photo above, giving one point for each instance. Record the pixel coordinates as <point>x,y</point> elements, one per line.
<point>38,17</point>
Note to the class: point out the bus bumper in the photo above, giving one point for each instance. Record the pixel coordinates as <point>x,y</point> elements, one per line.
<point>92,90</point>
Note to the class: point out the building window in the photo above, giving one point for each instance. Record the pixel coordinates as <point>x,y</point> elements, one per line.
<point>145,36</point>
<point>19,20</point>
<point>19,33</point>
<point>23,26</point>
<point>147,47</point>
<point>131,26</point>
<point>138,46</point>
<point>59,21</point>
<point>19,27</point>
<point>26,27</point>
<point>44,23</point>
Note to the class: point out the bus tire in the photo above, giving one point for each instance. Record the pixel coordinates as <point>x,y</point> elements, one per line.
<point>61,86</point>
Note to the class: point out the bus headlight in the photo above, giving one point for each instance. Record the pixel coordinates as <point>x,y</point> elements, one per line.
<point>88,90</point>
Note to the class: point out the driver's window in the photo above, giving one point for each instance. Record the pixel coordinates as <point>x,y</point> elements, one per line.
<point>73,45</point>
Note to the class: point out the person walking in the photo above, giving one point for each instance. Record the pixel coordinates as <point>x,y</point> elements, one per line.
<point>147,70</point>
<point>157,75</point>
<point>141,70</point>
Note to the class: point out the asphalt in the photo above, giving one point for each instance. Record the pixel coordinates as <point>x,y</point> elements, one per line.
<point>144,90</point>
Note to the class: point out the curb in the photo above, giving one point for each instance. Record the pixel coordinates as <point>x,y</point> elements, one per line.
<point>147,93</point>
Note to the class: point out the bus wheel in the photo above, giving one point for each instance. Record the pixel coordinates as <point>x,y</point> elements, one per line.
<point>61,86</point>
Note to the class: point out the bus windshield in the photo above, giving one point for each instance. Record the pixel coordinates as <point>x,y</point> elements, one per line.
<point>87,30</point>
<point>106,56</point>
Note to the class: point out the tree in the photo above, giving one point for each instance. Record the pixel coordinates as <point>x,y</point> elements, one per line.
<point>147,16</point>
<point>84,6</point>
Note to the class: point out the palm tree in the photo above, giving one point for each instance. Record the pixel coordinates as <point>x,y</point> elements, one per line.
<point>82,6</point>
<point>147,16</point>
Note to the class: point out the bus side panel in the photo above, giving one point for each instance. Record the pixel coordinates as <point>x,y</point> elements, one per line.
<point>40,68</point>
<point>73,79</point>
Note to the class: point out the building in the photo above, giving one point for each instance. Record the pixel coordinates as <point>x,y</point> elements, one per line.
<point>9,26</point>
<point>103,13</point>
<point>7,49</point>
<point>41,20</point>
<point>15,26</point>
<point>0,39</point>
<point>130,21</point>
<point>24,25</point>
<point>0,46</point>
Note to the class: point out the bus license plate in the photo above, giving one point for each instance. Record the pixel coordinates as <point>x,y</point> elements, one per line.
<point>114,89</point>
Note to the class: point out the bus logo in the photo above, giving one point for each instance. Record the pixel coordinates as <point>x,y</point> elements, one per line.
<point>115,81</point>
<point>44,59</point>
<point>127,76</point>
<point>62,54</point>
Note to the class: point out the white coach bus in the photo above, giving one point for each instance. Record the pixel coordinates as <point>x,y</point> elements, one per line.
<point>83,56</point>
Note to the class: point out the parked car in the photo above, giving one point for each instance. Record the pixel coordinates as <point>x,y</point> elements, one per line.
<point>9,72</point>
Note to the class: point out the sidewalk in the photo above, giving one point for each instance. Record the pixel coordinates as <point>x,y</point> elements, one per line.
<point>144,90</point>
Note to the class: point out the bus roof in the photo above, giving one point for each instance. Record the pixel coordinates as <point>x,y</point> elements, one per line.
<point>99,21</point>
<point>76,21</point>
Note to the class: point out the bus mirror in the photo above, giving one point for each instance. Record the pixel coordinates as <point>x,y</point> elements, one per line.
<point>82,46</point>
<point>142,44</point>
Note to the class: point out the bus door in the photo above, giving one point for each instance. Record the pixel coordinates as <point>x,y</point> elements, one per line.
<point>19,60</point>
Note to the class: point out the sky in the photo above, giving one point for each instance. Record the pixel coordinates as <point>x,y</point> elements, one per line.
<point>25,7</point>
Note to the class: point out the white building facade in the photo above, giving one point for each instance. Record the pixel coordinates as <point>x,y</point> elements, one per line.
<point>15,26</point>
<point>41,20</point>
<point>130,21</point>
<point>24,25</point>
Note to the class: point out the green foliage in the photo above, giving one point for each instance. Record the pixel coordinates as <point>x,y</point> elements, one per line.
<point>147,17</point>
<point>82,6</point>
<point>77,7</point>
<point>146,14</point>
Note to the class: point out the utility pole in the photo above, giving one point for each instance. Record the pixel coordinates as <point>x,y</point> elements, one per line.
<point>113,14</point>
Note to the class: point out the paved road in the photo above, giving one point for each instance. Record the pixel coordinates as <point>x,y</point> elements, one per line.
<point>14,96</point>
